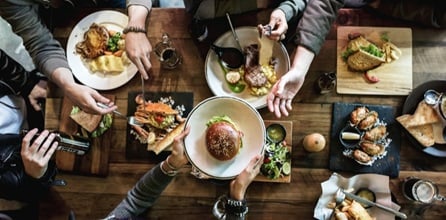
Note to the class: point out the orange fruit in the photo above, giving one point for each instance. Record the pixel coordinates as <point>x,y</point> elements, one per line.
<point>314,142</point>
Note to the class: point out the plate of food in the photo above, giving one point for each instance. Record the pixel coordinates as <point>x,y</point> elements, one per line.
<point>364,139</point>
<point>266,64</point>
<point>162,120</point>
<point>96,51</point>
<point>226,133</point>
<point>374,60</point>
<point>372,187</point>
<point>426,135</point>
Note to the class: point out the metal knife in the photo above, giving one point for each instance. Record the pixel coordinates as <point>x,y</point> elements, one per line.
<point>368,202</point>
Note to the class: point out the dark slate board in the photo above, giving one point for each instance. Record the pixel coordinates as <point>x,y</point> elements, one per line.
<point>136,150</point>
<point>388,165</point>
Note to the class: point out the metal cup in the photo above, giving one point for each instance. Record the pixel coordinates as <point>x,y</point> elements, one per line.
<point>168,56</point>
<point>422,191</point>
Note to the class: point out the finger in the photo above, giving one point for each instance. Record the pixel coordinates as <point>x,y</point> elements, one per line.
<point>26,141</point>
<point>38,142</point>
<point>51,151</point>
<point>44,147</point>
<point>269,101</point>
<point>283,107</point>
<point>147,65</point>
<point>277,107</point>
<point>288,104</point>
<point>141,68</point>
<point>34,104</point>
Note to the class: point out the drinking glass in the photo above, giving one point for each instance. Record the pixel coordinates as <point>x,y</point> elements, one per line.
<point>419,190</point>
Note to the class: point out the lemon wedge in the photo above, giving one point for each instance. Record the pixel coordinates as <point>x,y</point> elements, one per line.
<point>350,136</point>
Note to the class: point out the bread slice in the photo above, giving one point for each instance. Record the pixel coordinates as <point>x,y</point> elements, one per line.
<point>363,61</point>
<point>162,144</point>
<point>87,121</point>
<point>423,133</point>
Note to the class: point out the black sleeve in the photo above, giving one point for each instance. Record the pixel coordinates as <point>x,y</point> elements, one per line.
<point>14,79</point>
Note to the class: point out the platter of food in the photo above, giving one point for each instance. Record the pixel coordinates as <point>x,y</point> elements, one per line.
<point>364,139</point>
<point>372,187</point>
<point>436,145</point>
<point>162,119</point>
<point>374,60</point>
<point>227,132</point>
<point>276,165</point>
<point>96,53</point>
<point>266,65</point>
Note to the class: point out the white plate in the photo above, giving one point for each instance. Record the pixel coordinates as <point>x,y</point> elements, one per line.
<point>215,75</point>
<point>248,121</point>
<point>113,20</point>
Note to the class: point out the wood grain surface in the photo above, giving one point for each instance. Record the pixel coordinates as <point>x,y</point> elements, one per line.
<point>189,198</point>
<point>395,78</point>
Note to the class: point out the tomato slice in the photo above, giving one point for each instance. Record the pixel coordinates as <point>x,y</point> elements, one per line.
<point>371,78</point>
<point>159,118</point>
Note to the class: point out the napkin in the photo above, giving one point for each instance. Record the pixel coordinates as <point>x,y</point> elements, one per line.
<point>379,184</point>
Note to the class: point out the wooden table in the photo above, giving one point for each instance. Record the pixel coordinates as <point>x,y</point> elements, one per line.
<point>190,198</point>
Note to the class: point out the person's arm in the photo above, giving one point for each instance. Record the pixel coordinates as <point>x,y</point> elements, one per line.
<point>314,25</point>
<point>27,172</point>
<point>147,190</point>
<point>47,53</point>
<point>137,45</point>
<point>234,204</point>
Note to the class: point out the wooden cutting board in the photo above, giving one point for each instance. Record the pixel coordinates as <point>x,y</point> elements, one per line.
<point>395,77</point>
<point>95,162</point>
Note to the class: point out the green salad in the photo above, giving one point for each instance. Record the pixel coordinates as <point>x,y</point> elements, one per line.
<point>277,160</point>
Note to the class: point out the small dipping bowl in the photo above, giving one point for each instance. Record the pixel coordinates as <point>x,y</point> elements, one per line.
<point>349,142</point>
<point>275,133</point>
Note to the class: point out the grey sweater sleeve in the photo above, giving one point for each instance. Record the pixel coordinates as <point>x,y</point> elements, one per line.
<point>23,15</point>
<point>142,195</point>
<point>316,23</point>
<point>292,8</point>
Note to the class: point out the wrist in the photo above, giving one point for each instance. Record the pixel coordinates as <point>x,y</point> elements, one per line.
<point>236,207</point>
<point>167,170</point>
<point>236,191</point>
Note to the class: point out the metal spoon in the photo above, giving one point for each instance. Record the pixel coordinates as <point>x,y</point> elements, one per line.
<point>432,97</point>
<point>131,120</point>
<point>233,31</point>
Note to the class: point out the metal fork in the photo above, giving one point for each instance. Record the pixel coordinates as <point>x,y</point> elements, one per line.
<point>339,198</point>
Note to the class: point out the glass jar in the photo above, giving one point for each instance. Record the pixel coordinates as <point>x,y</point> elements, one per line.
<point>168,56</point>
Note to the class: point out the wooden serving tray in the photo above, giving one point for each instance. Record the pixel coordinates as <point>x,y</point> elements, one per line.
<point>289,130</point>
<point>395,77</point>
<point>94,162</point>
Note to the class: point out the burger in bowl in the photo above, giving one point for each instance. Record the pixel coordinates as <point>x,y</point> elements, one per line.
<point>223,138</point>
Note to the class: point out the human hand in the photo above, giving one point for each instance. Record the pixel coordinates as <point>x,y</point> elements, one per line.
<point>38,92</point>
<point>86,98</point>
<point>138,49</point>
<point>238,186</point>
<point>177,158</point>
<point>282,93</point>
<point>278,24</point>
<point>36,155</point>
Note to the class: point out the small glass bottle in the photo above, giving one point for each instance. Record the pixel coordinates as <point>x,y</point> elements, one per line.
<point>167,54</point>
<point>69,143</point>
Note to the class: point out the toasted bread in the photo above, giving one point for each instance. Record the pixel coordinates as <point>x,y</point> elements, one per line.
<point>88,121</point>
<point>363,61</point>
<point>423,133</point>
<point>162,144</point>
